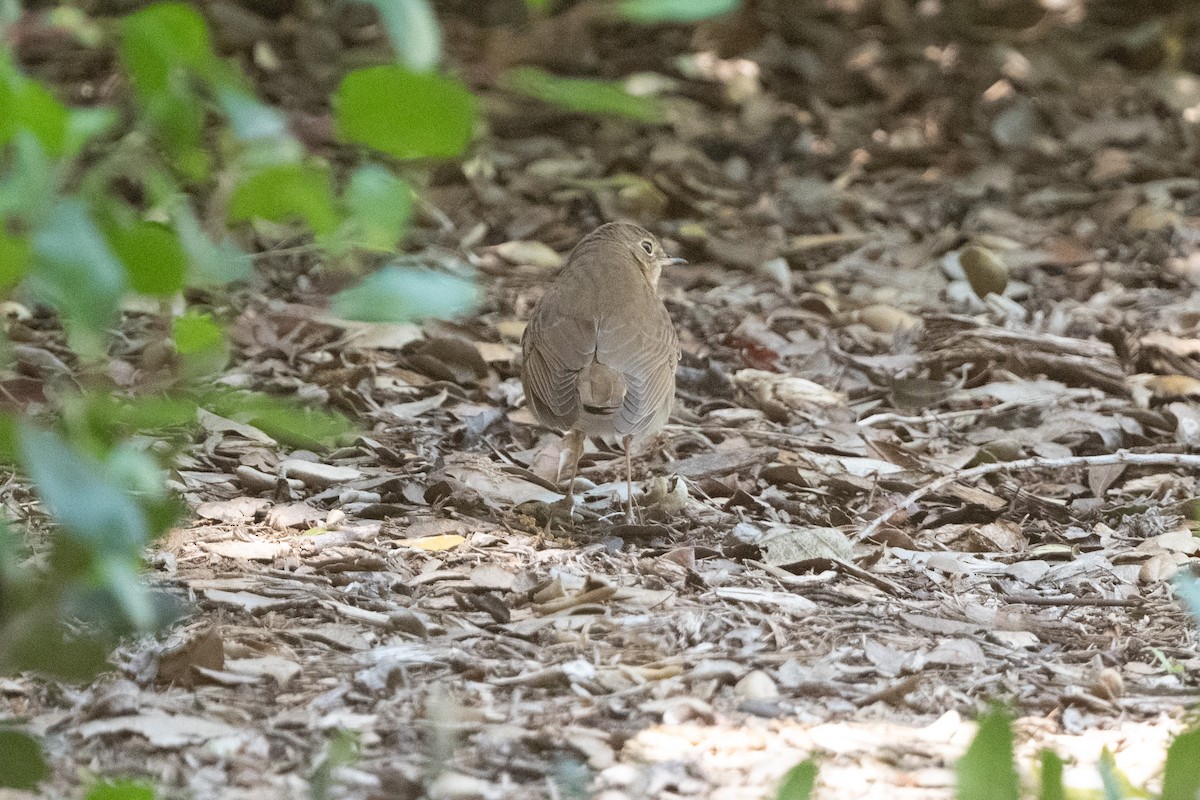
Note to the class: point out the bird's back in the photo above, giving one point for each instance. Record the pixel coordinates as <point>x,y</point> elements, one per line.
<point>600,350</point>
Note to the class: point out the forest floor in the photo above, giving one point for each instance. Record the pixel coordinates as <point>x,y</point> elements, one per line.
<point>824,176</point>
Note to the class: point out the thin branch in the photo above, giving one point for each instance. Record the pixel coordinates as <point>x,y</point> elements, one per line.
<point>1184,460</point>
<point>1099,602</point>
<point>751,433</point>
<point>945,416</point>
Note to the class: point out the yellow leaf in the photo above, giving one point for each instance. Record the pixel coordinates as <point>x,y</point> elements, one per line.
<point>447,541</point>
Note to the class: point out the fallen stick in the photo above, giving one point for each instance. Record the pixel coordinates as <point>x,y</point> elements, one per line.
<point>1120,457</point>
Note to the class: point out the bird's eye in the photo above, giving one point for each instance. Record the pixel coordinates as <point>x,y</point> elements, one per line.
<point>648,246</point>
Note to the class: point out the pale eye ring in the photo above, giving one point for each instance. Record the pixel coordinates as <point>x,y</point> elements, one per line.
<point>648,246</point>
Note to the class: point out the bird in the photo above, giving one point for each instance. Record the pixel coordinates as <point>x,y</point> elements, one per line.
<point>600,350</point>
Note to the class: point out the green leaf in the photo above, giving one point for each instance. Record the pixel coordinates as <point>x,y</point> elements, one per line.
<point>380,205</point>
<point>1052,777</point>
<point>109,419</point>
<point>798,782</point>
<point>404,114</point>
<point>343,750</point>
<point>164,48</point>
<point>122,577</point>
<point>30,105</point>
<point>987,771</point>
<point>414,31</point>
<point>196,332</point>
<point>159,40</point>
<point>85,29</point>
<point>200,343</point>
<point>120,790</point>
<point>1116,785</point>
<point>1108,776</point>
<point>656,11</point>
<point>14,258</point>
<point>404,294</point>
<point>1187,588</point>
<point>10,441</point>
<point>580,94</point>
<point>212,264</point>
<point>22,766</point>
<point>48,650</point>
<point>85,124</point>
<point>78,492</point>
<point>154,259</point>
<point>284,420</point>
<point>27,186</point>
<point>284,193</point>
<point>249,118</point>
<point>73,268</point>
<point>1181,775</point>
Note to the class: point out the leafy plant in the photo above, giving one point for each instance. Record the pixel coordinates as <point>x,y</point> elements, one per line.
<point>97,205</point>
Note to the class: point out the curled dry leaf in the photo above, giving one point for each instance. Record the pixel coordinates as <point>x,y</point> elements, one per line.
<point>886,319</point>
<point>435,544</point>
<point>789,391</point>
<point>534,254</point>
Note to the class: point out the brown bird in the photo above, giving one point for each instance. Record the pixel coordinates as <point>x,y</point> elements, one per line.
<point>600,350</point>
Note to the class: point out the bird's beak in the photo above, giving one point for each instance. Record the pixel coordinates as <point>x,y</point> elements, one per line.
<point>675,262</point>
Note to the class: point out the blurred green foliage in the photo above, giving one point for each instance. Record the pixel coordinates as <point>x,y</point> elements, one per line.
<point>799,782</point>
<point>120,790</point>
<point>581,94</point>
<point>657,11</point>
<point>988,771</point>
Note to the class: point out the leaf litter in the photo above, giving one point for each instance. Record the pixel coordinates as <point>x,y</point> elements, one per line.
<point>884,293</point>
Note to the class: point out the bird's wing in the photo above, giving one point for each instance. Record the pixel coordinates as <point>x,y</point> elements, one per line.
<point>556,349</point>
<point>640,344</point>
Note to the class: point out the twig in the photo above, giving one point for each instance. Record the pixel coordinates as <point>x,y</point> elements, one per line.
<point>1120,457</point>
<point>1100,602</point>
<point>752,433</point>
<point>944,416</point>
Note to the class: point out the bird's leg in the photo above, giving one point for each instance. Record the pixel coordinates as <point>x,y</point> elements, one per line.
<point>573,451</point>
<point>627,442</point>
